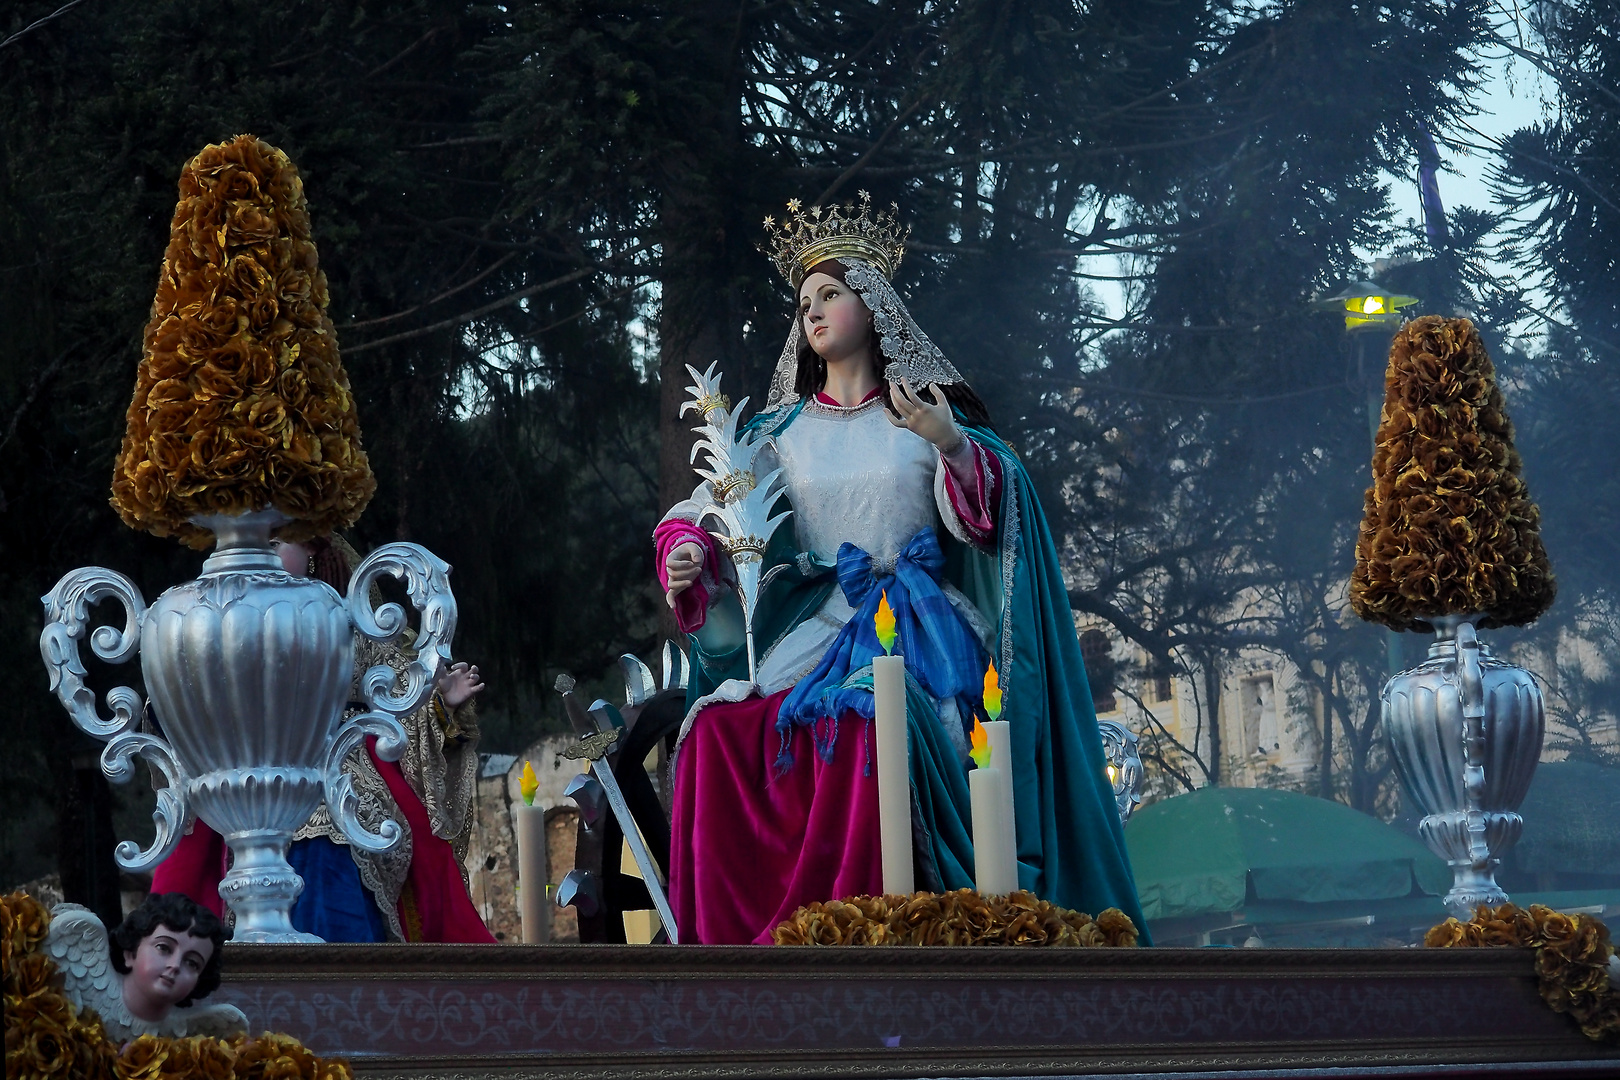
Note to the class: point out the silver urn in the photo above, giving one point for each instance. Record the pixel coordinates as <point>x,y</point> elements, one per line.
<point>249,671</point>
<point>1465,729</point>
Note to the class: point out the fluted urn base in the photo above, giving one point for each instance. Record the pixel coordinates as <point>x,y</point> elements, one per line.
<point>257,811</point>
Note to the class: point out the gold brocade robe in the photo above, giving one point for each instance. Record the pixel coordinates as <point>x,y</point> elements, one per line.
<point>440,764</point>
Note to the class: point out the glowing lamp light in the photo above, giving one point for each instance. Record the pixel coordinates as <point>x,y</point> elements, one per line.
<point>1367,306</point>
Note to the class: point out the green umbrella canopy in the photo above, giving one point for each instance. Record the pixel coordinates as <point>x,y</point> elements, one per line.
<point>1201,852</point>
<point>1571,820</point>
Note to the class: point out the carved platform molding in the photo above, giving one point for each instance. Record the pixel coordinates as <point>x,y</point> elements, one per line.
<point>627,1011</point>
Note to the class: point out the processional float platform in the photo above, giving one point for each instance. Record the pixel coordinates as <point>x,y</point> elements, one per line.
<point>561,1011</point>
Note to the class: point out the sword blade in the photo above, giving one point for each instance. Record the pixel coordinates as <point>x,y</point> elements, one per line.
<point>638,848</point>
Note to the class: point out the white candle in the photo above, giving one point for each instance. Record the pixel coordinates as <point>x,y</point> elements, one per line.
<point>989,862</point>
<point>894,773</point>
<point>995,854</point>
<point>1000,732</point>
<point>530,824</point>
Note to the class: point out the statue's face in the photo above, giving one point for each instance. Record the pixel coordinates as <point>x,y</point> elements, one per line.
<point>294,557</point>
<point>836,321</point>
<point>163,970</point>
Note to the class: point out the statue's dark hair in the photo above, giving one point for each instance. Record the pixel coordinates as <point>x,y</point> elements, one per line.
<point>181,914</point>
<point>810,377</point>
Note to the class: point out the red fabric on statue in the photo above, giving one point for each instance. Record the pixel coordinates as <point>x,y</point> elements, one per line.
<point>749,847</point>
<point>442,906</point>
<point>195,868</point>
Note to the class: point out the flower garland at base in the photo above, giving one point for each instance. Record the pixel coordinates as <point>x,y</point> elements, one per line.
<point>1572,958</point>
<point>962,917</point>
<point>48,1036</point>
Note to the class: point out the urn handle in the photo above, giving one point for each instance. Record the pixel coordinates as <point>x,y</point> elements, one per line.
<point>117,761</point>
<point>1471,693</point>
<point>67,616</point>
<point>427,580</point>
<point>341,800</point>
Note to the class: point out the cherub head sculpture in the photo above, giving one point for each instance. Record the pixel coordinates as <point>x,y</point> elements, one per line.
<point>145,976</point>
<point>169,951</point>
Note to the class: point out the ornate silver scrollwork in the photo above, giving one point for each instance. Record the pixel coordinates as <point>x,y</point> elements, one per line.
<point>341,800</point>
<point>67,615</point>
<point>1124,766</point>
<point>118,762</point>
<point>427,580</point>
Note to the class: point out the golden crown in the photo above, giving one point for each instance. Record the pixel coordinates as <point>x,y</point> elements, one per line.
<point>848,231</point>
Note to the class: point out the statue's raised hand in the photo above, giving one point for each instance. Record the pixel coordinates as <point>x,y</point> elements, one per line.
<point>457,683</point>
<point>933,422</point>
<point>683,567</point>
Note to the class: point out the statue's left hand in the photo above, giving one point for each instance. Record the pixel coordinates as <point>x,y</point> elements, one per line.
<point>458,683</point>
<point>933,422</point>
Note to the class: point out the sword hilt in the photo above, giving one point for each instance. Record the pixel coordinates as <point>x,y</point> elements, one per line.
<point>594,747</point>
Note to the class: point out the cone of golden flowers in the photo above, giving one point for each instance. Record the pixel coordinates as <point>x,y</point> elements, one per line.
<point>240,401</point>
<point>1449,528</point>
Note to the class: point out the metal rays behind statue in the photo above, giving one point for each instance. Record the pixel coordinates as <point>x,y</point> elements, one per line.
<point>741,504</point>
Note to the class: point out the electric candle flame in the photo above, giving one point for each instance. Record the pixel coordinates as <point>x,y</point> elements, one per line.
<point>992,692</point>
<point>883,622</point>
<point>980,753</point>
<point>528,784</point>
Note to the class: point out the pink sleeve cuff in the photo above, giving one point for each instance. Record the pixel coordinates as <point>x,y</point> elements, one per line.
<point>692,605</point>
<point>973,484</point>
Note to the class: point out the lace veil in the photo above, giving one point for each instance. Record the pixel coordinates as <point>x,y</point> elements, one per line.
<point>907,351</point>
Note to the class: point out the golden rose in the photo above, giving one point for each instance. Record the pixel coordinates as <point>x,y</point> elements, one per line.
<point>275,1057</point>
<point>33,973</point>
<point>223,319</point>
<point>45,1052</point>
<point>1118,926</point>
<point>142,1058</point>
<point>237,184</point>
<point>246,277</point>
<point>24,923</point>
<point>248,222</point>
<point>263,312</point>
<point>1556,927</point>
<point>1448,935</point>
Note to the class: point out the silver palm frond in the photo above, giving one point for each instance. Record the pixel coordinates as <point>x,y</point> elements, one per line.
<point>739,515</point>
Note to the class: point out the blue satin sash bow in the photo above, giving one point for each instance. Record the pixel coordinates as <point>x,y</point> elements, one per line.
<point>941,651</point>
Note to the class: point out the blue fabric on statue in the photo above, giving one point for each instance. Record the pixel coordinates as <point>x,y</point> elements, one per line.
<point>335,905</point>
<point>940,650</point>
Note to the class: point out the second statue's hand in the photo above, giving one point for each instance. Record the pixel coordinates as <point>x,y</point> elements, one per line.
<point>458,683</point>
<point>933,422</point>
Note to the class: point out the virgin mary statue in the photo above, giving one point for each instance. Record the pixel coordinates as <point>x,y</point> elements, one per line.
<point>899,487</point>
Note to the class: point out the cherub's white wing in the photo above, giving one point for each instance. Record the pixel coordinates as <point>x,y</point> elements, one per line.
<point>221,1021</point>
<point>77,942</point>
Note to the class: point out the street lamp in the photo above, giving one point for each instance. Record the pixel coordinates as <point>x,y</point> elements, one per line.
<point>1367,306</point>
<point>1372,314</point>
